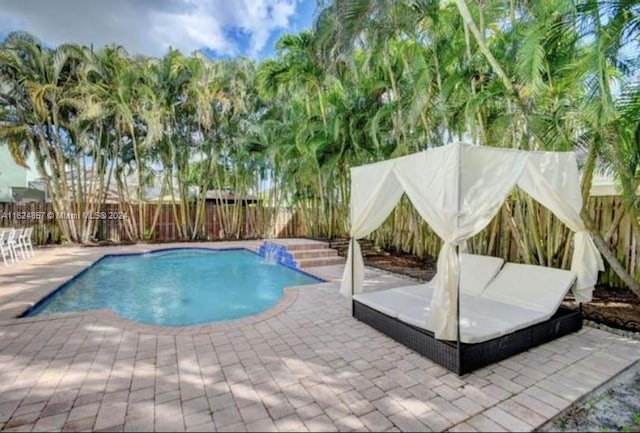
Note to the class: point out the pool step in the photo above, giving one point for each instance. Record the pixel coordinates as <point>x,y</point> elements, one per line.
<point>320,261</point>
<point>299,253</point>
<point>310,254</point>
<point>300,244</point>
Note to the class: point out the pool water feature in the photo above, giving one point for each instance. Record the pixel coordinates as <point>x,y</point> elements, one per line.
<point>276,253</point>
<point>177,287</point>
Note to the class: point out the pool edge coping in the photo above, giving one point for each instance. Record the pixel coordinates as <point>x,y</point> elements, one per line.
<point>290,294</point>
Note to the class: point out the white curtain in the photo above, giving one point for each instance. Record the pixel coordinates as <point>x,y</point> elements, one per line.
<point>375,192</point>
<point>458,190</point>
<point>552,179</point>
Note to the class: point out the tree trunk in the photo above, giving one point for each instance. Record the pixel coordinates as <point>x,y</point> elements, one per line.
<point>610,256</point>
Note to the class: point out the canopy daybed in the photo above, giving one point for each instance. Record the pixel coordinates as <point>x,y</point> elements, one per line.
<point>477,309</point>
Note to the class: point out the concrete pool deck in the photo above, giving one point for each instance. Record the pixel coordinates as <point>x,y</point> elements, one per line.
<point>305,365</point>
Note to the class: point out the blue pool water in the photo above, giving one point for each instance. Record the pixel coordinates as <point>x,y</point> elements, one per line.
<point>178,287</point>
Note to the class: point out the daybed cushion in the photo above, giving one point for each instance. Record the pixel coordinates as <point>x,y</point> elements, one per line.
<point>475,273</point>
<point>531,287</point>
<point>474,328</point>
<point>512,316</point>
<point>480,319</point>
<point>392,301</point>
<point>424,291</point>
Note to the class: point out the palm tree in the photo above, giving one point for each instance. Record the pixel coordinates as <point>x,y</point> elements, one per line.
<point>532,69</point>
<point>44,103</point>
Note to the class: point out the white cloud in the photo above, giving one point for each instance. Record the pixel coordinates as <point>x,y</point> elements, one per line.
<point>151,26</point>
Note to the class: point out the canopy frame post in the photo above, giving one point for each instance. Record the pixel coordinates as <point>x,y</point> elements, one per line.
<point>459,344</point>
<point>459,347</point>
<point>352,271</point>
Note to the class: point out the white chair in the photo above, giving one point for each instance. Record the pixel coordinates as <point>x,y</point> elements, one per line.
<point>18,243</point>
<point>7,245</point>
<point>11,242</point>
<point>25,241</point>
<point>3,246</point>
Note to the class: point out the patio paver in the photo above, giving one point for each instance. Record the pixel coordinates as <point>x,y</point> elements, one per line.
<point>305,365</point>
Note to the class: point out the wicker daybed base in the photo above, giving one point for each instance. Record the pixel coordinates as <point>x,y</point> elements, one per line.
<point>470,356</point>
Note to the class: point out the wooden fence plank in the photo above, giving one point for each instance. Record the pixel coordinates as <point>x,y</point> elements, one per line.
<point>404,229</point>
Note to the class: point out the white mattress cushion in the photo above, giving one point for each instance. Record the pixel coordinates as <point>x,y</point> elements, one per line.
<point>481,319</point>
<point>391,302</point>
<point>530,287</point>
<point>424,291</point>
<point>511,317</point>
<point>477,271</point>
<point>474,326</point>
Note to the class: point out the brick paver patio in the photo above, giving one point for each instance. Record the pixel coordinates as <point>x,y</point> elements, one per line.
<point>306,365</point>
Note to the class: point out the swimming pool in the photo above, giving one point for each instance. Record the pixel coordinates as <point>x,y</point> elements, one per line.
<point>176,287</point>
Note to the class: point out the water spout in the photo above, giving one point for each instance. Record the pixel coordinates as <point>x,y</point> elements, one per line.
<point>271,254</point>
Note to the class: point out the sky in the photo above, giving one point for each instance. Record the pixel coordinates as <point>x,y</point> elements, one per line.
<point>220,28</point>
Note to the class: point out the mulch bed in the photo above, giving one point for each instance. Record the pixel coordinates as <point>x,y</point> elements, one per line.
<point>405,264</point>
<point>615,307</point>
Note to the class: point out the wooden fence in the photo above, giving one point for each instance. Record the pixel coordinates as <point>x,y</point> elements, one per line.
<point>404,230</point>
<point>501,238</point>
<point>254,222</point>
<point>605,211</point>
